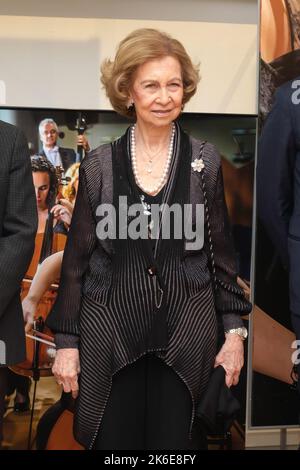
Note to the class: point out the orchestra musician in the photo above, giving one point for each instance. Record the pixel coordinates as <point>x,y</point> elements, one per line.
<point>45,183</point>
<point>58,156</point>
<point>49,270</point>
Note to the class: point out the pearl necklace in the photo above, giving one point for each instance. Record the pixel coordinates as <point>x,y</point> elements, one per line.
<point>163,178</point>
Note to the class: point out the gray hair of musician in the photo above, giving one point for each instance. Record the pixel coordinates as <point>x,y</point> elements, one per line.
<point>47,121</point>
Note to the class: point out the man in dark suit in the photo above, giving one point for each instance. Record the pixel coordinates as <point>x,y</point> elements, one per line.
<point>18,225</point>
<point>278,187</point>
<point>58,156</point>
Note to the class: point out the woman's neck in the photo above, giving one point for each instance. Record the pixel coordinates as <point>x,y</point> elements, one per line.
<point>152,138</point>
<point>42,210</point>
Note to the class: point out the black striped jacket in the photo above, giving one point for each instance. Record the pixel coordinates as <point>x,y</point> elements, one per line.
<point>112,312</point>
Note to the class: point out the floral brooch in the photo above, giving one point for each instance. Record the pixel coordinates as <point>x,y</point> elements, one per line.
<point>198,164</point>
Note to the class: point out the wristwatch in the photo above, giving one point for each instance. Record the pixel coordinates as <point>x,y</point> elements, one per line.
<point>242,332</point>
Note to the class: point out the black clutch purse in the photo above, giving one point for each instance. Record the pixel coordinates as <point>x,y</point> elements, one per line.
<point>218,407</point>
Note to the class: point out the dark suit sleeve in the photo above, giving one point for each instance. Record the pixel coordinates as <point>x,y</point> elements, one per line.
<point>276,154</point>
<point>19,223</point>
<point>64,316</point>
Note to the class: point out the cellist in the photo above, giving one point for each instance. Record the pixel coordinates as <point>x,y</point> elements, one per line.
<point>45,183</point>
<point>49,270</point>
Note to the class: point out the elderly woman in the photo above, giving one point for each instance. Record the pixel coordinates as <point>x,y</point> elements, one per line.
<point>136,314</point>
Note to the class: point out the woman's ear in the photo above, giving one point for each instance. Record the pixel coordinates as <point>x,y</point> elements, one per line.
<point>130,102</point>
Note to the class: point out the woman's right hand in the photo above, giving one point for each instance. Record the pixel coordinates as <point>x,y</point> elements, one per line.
<point>67,204</point>
<point>62,214</point>
<point>66,369</point>
<point>29,307</point>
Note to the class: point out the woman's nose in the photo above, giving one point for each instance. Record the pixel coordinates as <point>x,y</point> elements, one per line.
<point>164,97</point>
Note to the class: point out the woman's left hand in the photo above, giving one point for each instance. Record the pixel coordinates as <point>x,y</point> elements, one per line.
<point>231,357</point>
<point>62,214</point>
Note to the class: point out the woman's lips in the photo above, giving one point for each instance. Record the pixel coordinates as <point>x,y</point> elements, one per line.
<point>161,112</point>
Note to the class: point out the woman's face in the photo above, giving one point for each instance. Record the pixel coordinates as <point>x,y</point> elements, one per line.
<point>41,181</point>
<point>157,92</point>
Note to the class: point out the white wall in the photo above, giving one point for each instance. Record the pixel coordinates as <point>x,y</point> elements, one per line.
<point>218,11</point>
<point>55,62</point>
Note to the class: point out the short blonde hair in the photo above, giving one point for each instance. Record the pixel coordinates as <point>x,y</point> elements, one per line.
<point>137,48</point>
<point>69,191</point>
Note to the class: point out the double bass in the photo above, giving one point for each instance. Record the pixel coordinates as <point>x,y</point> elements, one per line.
<point>80,127</point>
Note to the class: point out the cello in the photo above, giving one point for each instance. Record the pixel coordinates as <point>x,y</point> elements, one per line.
<point>40,347</point>
<point>55,428</point>
<point>40,353</point>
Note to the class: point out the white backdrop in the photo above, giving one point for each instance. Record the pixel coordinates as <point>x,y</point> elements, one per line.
<point>55,62</point>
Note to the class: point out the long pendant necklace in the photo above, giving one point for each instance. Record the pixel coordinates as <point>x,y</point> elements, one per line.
<point>149,164</point>
<point>165,172</point>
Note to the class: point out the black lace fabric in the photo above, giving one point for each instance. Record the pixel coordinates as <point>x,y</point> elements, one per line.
<point>293,8</point>
<point>282,69</point>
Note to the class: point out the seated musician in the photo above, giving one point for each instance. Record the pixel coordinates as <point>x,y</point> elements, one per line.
<point>45,183</point>
<point>49,271</point>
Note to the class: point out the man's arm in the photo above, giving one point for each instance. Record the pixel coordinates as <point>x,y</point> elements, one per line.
<point>19,223</point>
<point>276,155</point>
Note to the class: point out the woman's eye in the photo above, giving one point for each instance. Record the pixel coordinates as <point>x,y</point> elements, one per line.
<point>151,85</point>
